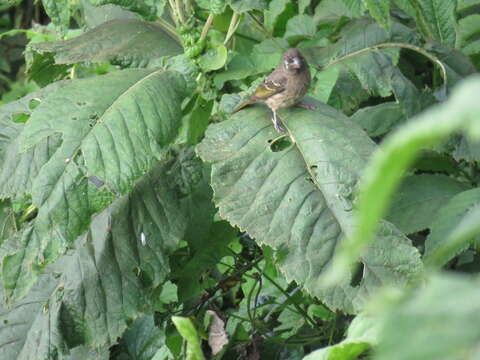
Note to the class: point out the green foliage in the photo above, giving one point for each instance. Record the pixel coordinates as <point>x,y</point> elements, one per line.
<point>141,219</point>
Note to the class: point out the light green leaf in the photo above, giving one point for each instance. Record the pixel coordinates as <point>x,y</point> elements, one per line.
<point>213,59</point>
<point>379,119</point>
<point>380,10</point>
<point>241,6</point>
<point>300,27</point>
<point>302,5</point>
<point>467,149</point>
<point>454,227</point>
<point>149,9</point>
<point>356,7</point>
<point>468,31</point>
<point>275,9</point>
<point>186,328</point>
<point>436,19</point>
<point>101,120</point>
<point>324,83</point>
<point>410,326</point>
<point>362,335</point>
<point>428,129</point>
<point>127,42</point>
<point>97,15</point>
<point>297,198</point>
<point>58,11</point>
<point>419,198</point>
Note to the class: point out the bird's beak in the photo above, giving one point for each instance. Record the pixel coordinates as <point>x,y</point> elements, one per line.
<point>296,64</point>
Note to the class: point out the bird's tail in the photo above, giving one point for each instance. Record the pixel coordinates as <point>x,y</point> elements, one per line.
<point>243,104</point>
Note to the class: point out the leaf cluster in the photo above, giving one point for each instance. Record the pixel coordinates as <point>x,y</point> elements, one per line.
<point>141,219</point>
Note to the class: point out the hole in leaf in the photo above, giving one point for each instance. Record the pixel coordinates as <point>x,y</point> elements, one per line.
<point>357,275</point>
<point>20,117</point>
<point>33,103</point>
<point>309,179</point>
<point>277,145</point>
<point>313,167</point>
<point>81,103</point>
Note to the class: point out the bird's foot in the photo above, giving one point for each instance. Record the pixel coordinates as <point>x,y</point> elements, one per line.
<point>277,124</point>
<point>306,106</point>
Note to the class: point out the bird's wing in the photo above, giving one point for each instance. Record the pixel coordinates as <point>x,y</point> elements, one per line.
<point>273,84</point>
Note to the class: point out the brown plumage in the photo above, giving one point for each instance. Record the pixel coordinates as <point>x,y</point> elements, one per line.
<point>284,87</point>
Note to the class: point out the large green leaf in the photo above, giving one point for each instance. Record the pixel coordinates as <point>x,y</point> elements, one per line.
<point>419,199</point>
<point>106,280</point>
<point>19,169</point>
<point>397,153</point>
<point>297,198</point>
<point>113,130</point>
<point>128,42</point>
<point>436,19</point>
<point>445,312</point>
<point>97,15</point>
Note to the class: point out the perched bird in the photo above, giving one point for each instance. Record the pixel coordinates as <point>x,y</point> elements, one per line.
<point>284,87</point>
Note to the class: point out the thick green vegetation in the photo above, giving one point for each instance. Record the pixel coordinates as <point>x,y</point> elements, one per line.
<point>141,219</point>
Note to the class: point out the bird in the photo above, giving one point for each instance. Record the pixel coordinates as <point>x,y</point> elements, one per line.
<point>284,87</point>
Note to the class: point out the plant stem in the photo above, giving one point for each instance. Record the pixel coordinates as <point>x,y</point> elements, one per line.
<point>173,10</point>
<point>234,22</point>
<point>181,18</point>
<point>299,309</point>
<point>170,29</point>
<point>206,27</point>
<point>418,49</point>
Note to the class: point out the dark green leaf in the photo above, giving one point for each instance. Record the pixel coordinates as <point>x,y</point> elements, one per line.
<point>436,19</point>
<point>380,10</point>
<point>449,222</point>
<point>128,42</point>
<point>419,198</point>
<point>21,168</point>
<point>379,119</point>
<point>142,339</point>
<point>105,282</point>
<point>101,120</point>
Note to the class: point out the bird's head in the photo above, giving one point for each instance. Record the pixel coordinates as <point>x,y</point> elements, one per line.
<point>293,61</point>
